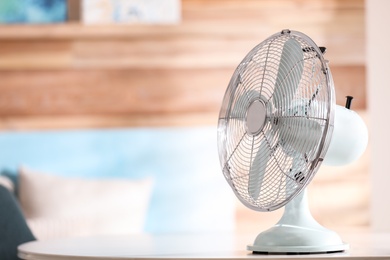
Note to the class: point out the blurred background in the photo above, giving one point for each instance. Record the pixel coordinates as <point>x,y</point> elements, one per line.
<point>100,64</point>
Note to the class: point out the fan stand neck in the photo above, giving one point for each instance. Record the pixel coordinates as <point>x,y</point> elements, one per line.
<point>297,213</point>
<point>298,232</point>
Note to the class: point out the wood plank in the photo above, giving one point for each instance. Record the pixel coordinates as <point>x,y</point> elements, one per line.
<point>108,54</point>
<point>166,53</point>
<point>32,54</point>
<point>181,52</point>
<point>128,95</point>
<point>27,123</point>
<point>92,92</point>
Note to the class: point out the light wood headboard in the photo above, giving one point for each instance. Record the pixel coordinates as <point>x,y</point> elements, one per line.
<point>75,76</point>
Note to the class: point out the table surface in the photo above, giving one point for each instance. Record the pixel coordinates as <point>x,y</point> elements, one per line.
<point>362,246</point>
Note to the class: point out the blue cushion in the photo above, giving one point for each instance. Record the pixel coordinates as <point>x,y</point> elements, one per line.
<point>190,193</point>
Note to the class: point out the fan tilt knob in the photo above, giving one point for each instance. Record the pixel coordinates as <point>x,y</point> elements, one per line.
<point>255,117</point>
<point>348,102</point>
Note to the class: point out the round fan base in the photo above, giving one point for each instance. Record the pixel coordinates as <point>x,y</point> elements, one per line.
<point>301,250</point>
<point>297,232</point>
<point>300,247</point>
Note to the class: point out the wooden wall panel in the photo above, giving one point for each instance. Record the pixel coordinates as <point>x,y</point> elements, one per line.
<point>124,92</point>
<point>120,74</point>
<point>74,76</point>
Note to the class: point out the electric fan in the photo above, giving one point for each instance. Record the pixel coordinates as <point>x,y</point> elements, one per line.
<point>277,121</point>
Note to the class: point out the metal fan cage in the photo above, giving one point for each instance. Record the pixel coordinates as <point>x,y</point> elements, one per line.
<point>289,168</point>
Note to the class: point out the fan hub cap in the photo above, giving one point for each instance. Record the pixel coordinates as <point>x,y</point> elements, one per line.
<point>255,117</point>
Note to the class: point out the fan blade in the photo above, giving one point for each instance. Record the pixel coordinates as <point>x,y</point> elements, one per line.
<point>299,134</point>
<point>257,170</point>
<point>289,73</point>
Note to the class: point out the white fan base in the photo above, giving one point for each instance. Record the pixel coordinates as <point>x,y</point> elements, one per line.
<point>298,232</point>
<point>293,239</point>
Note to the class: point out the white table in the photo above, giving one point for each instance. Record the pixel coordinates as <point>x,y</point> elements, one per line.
<point>364,246</point>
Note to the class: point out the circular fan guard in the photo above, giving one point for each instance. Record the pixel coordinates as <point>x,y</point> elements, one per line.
<point>276,120</point>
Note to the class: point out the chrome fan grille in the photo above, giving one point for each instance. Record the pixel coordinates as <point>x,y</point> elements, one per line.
<point>289,77</point>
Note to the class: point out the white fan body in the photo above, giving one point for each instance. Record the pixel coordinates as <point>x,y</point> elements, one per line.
<point>277,124</point>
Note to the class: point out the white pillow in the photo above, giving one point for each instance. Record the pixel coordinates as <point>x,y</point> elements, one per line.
<point>60,206</point>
